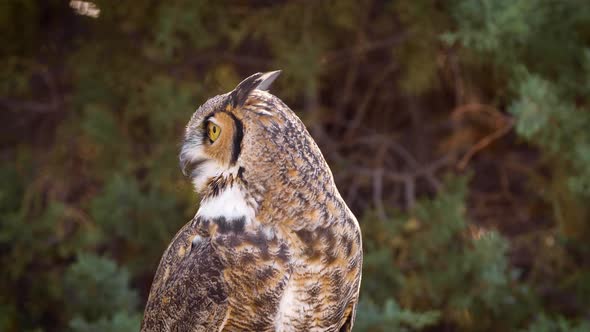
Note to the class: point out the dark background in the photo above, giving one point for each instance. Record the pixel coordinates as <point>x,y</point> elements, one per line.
<point>457,131</point>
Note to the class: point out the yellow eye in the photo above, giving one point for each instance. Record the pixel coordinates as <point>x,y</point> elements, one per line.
<point>213,131</point>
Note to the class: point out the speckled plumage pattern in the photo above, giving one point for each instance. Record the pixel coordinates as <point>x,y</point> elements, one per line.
<point>273,246</point>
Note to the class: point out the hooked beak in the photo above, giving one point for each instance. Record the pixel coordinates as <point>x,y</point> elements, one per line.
<point>190,167</point>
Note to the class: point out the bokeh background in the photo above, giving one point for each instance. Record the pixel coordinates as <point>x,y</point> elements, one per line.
<point>458,132</point>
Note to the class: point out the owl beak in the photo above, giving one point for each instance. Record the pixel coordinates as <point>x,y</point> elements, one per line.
<point>184,162</point>
<point>188,166</point>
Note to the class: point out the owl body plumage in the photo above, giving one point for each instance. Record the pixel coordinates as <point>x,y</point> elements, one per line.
<point>273,246</point>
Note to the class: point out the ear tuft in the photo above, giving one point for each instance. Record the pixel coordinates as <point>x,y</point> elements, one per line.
<point>260,81</point>
<point>267,78</point>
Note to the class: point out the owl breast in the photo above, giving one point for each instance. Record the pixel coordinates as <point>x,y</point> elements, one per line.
<point>277,278</point>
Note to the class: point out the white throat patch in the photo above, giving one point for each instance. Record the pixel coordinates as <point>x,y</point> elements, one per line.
<point>230,203</point>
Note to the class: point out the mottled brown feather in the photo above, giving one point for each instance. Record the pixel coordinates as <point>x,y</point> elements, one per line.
<point>188,293</point>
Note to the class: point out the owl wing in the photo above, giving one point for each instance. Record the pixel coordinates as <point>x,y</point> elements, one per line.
<point>187,293</point>
<point>349,319</point>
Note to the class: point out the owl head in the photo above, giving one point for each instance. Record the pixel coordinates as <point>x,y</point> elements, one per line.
<point>250,135</point>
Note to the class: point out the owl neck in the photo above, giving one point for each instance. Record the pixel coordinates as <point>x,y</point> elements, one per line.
<point>226,196</point>
<point>289,201</point>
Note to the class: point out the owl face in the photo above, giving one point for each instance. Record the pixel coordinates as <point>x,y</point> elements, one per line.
<point>214,137</point>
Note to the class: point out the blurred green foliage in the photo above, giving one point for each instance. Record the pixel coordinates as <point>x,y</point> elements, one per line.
<point>438,268</point>
<point>558,324</point>
<point>99,297</point>
<point>94,97</point>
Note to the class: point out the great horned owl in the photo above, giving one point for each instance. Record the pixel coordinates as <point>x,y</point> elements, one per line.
<point>273,246</point>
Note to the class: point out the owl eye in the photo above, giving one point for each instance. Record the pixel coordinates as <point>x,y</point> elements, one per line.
<point>213,131</point>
